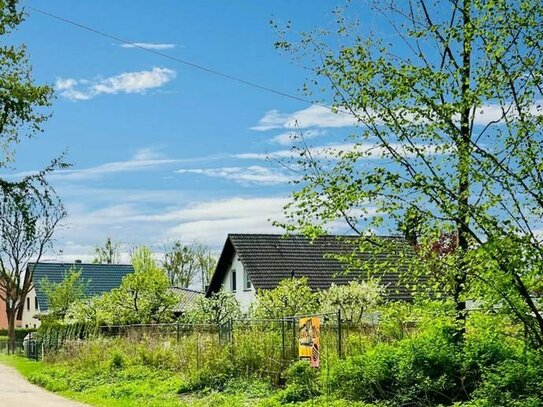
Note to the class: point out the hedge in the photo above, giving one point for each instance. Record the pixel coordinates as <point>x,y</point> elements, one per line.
<point>20,333</point>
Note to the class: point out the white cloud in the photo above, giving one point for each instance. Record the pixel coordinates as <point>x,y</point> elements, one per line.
<point>489,113</point>
<point>244,175</point>
<point>135,224</point>
<point>331,151</point>
<point>148,45</point>
<point>321,117</point>
<point>211,221</point>
<point>313,116</point>
<point>291,137</point>
<point>128,82</point>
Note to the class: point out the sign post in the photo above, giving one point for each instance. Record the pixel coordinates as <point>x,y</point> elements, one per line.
<point>309,340</point>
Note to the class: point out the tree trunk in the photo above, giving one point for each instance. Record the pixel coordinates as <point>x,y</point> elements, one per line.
<point>12,316</point>
<point>464,166</point>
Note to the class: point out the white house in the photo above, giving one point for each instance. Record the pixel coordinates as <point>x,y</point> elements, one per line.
<point>251,262</point>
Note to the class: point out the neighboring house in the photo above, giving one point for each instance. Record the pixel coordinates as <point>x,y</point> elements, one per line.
<point>187,300</point>
<point>99,278</point>
<point>3,315</point>
<point>251,262</point>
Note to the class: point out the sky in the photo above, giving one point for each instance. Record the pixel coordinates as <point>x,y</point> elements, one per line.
<point>161,151</point>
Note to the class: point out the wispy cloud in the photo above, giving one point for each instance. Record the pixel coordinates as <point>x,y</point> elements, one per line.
<point>255,174</point>
<point>145,159</point>
<point>127,82</point>
<point>332,151</point>
<point>321,117</point>
<point>211,221</point>
<point>291,137</point>
<point>313,116</point>
<point>149,45</point>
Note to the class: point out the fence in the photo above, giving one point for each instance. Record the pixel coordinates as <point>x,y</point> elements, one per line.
<point>255,346</point>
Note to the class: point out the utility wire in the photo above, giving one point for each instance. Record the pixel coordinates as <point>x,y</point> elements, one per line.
<point>184,62</point>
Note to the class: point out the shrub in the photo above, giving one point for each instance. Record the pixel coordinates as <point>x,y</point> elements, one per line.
<point>302,383</point>
<point>419,371</point>
<point>117,361</point>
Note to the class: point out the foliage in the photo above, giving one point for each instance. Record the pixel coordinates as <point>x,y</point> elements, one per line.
<point>20,333</point>
<point>183,263</point>
<point>30,209</point>
<point>217,309</point>
<point>302,383</point>
<point>428,367</point>
<point>355,300</point>
<point>143,296</point>
<point>61,296</point>
<point>448,137</point>
<point>290,297</point>
<point>108,253</point>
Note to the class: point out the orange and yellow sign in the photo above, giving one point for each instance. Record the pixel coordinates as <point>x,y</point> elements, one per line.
<point>309,340</point>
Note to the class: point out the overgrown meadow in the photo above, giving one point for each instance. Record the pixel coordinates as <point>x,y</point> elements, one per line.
<point>411,358</point>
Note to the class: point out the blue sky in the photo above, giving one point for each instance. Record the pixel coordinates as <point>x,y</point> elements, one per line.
<point>162,151</point>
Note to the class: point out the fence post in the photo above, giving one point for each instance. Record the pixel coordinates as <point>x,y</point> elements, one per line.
<point>283,350</point>
<point>294,336</point>
<point>339,345</point>
<point>177,331</point>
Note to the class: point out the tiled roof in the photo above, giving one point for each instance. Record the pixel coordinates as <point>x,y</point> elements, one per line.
<point>100,277</point>
<point>268,259</point>
<point>187,298</point>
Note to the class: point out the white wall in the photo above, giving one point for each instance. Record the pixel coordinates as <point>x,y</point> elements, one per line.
<point>28,320</point>
<point>243,295</point>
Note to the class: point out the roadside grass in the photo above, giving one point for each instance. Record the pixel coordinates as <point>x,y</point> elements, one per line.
<point>132,386</point>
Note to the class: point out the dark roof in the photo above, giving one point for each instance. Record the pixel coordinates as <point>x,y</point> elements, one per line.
<point>187,299</point>
<point>268,259</point>
<point>99,278</point>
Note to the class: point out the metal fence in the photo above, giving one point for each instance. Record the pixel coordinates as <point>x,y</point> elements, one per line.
<point>261,346</point>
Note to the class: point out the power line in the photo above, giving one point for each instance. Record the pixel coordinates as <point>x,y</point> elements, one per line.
<point>182,61</point>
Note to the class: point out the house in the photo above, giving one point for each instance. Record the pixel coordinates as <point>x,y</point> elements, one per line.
<point>3,307</point>
<point>187,300</point>
<point>99,278</point>
<point>251,262</point>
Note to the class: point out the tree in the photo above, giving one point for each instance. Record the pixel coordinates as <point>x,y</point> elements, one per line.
<point>217,309</point>
<point>29,208</point>
<point>143,297</point>
<point>183,263</point>
<point>61,296</point>
<point>108,253</point>
<point>449,121</point>
<point>291,297</point>
<point>29,215</point>
<point>354,300</point>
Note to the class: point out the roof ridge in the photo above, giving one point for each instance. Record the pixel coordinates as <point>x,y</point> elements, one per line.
<point>187,289</point>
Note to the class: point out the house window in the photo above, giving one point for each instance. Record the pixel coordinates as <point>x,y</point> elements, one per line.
<point>233,281</point>
<point>35,302</point>
<point>28,304</point>
<point>246,280</point>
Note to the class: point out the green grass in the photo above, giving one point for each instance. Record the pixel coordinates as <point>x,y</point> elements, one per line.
<point>132,386</point>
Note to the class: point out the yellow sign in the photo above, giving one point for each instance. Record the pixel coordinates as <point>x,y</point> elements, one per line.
<point>309,340</point>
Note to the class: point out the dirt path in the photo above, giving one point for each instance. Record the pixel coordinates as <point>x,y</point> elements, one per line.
<point>17,392</point>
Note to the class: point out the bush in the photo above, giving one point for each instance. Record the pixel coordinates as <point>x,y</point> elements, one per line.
<point>513,382</point>
<point>424,370</point>
<point>117,361</point>
<point>20,333</point>
<point>302,383</point>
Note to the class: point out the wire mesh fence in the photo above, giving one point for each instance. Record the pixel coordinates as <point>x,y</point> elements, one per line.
<point>264,347</point>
